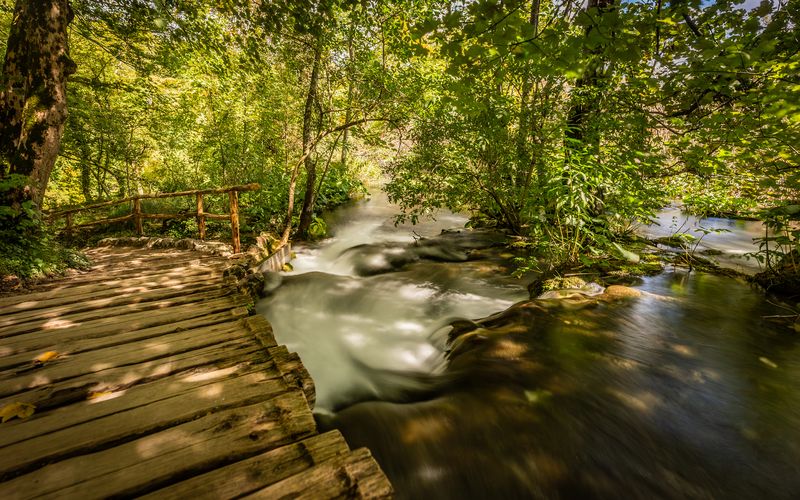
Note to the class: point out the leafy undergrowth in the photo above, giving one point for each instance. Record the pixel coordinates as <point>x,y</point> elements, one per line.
<point>33,255</point>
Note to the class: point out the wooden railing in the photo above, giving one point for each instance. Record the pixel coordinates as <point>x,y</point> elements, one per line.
<point>137,215</point>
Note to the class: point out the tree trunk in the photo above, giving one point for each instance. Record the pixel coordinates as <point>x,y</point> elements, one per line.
<point>33,102</point>
<point>310,163</point>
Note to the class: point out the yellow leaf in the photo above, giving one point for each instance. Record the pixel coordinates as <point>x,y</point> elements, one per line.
<point>100,394</point>
<point>19,410</point>
<point>45,357</point>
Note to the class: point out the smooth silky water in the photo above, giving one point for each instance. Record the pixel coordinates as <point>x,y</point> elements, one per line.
<point>684,392</point>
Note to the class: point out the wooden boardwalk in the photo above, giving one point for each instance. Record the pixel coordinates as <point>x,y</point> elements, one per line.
<point>149,377</point>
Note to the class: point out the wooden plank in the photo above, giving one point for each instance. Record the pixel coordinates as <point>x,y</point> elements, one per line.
<point>79,344</point>
<point>142,384</point>
<point>29,302</point>
<point>156,270</point>
<point>65,332</point>
<point>294,372</point>
<point>153,416</point>
<point>355,475</point>
<point>157,460</point>
<point>111,300</point>
<point>98,361</point>
<point>60,289</point>
<point>257,472</point>
<point>87,311</point>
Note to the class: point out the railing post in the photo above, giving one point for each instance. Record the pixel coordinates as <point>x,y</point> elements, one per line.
<point>137,216</point>
<point>68,228</point>
<point>234,196</point>
<point>201,218</point>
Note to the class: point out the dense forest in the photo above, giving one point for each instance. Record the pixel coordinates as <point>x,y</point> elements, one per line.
<point>563,122</point>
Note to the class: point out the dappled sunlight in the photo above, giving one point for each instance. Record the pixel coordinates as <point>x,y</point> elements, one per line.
<point>426,427</point>
<point>38,380</point>
<point>58,324</point>
<point>212,391</point>
<point>101,397</point>
<point>153,446</point>
<point>507,349</point>
<point>210,375</point>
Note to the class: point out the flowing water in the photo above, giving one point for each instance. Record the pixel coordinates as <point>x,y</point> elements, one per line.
<point>735,238</point>
<point>686,391</point>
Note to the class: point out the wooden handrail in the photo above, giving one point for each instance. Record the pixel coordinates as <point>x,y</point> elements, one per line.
<point>138,215</point>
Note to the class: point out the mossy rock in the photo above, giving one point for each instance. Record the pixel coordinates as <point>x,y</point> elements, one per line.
<point>562,282</point>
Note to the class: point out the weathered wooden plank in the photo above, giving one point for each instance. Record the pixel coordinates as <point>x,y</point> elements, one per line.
<point>156,271</point>
<point>100,361</point>
<point>60,289</point>
<point>255,473</point>
<point>227,363</point>
<point>16,325</point>
<point>63,332</point>
<point>68,296</point>
<point>294,372</point>
<point>175,409</point>
<point>77,344</point>
<point>112,300</point>
<point>355,475</point>
<point>152,461</point>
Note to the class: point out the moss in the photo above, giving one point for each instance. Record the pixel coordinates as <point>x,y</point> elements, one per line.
<point>561,283</point>
<point>678,240</point>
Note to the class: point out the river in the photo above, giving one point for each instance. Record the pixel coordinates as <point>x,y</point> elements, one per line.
<point>687,391</point>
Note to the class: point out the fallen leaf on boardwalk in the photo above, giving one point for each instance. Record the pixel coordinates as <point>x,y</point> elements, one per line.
<point>19,410</point>
<point>100,394</point>
<point>45,357</point>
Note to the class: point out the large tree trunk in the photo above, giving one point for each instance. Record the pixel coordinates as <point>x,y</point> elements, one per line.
<point>33,102</point>
<point>310,162</point>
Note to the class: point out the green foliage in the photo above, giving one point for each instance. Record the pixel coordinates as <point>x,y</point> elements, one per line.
<point>779,248</point>
<point>27,249</point>
<point>339,187</point>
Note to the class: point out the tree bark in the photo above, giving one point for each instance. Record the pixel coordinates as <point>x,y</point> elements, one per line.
<point>310,163</point>
<point>33,101</point>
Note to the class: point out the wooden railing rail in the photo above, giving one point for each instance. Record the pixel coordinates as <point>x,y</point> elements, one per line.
<point>137,215</point>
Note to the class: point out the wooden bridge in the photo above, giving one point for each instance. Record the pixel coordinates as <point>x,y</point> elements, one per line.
<point>148,376</point>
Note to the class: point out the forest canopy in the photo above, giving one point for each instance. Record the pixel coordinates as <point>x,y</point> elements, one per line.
<point>561,121</point>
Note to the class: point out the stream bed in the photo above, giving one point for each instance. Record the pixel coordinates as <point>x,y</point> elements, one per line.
<point>686,391</point>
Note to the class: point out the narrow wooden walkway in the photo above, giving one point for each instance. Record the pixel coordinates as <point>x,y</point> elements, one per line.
<point>150,377</point>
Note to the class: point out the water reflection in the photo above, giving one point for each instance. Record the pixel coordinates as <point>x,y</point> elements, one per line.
<point>733,237</point>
